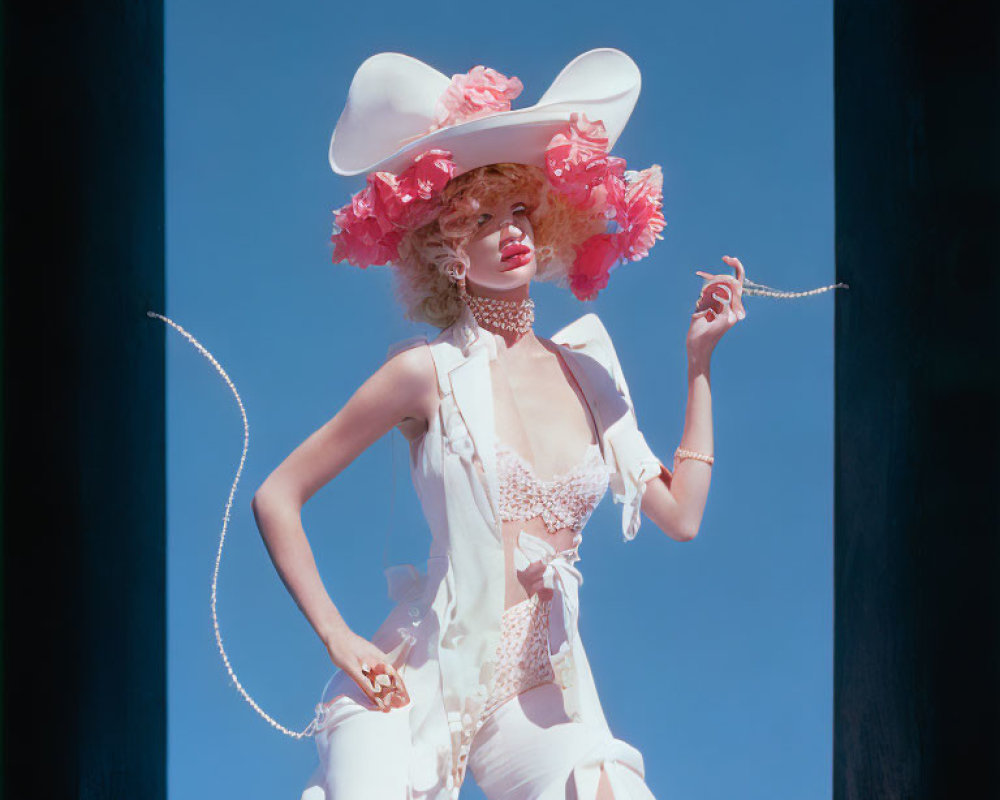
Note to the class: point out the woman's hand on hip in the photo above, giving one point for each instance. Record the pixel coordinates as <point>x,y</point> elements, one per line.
<point>370,669</point>
<point>719,308</point>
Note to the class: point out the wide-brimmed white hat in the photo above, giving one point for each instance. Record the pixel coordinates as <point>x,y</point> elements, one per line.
<point>392,100</point>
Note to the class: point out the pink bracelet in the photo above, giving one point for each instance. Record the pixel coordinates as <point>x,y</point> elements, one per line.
<point>681,453</point>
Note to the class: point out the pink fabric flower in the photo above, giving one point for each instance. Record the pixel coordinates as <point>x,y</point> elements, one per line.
<point>579,168</point>
<point>362,240</point>
<point>478,93</point>
<point>576,161</point>
<point>641,218</point>
<point>636,207</point>
<point>371,226</point>
<point>593,263</point>
<point>609,195</point>
<point>429,174</point>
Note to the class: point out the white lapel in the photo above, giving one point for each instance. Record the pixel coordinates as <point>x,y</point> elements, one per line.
<point>583,344</point>
<point>473,391</point>
<point>472,388</point>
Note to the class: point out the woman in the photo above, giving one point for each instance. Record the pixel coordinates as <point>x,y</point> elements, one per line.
<point>514,438</point>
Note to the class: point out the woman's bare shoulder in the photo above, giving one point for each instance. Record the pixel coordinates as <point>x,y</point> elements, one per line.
<point>409,372</point>
<point>412,364</point>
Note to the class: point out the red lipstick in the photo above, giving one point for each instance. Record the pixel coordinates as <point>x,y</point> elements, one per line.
<point>515,255</point>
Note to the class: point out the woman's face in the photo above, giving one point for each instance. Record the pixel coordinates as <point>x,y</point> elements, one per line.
<point>502,249</point>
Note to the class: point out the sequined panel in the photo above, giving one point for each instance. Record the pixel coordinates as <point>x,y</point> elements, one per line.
<point>523,654</point>
<point>565,501</point>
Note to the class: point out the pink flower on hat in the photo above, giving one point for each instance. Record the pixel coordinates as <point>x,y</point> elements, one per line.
<point>593,263</point>
<point>641,216</point>
<point>576,160</point>
<point>580,170</point>
<point>609,194</point>
<point>428,175</point>
<point>478,93</point>
<point>371,226</point>
<point>362,240</point>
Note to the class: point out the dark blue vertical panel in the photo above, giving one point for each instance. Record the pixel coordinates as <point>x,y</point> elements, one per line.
<point>83,400</point>
<point>917,476</point>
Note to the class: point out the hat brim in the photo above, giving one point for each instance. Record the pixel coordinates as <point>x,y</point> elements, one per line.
<point>603,84</point>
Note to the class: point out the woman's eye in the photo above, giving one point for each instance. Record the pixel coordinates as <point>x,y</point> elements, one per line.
<point>521,208</point>
<point>483,219</point>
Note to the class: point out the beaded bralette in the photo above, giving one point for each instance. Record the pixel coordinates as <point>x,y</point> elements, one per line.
<point>565,501</point>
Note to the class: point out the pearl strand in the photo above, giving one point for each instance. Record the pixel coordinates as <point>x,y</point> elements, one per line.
<point>516,316</point>
<point>314,725</point>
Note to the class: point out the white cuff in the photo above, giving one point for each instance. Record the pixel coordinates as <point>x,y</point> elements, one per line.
<point>635,464</point>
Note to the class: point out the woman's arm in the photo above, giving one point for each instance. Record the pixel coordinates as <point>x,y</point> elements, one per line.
<point>404,388</point>
<point>677,508</point>
<point>676,504</point>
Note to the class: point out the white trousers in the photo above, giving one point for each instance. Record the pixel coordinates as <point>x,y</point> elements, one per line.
<point>527,750</point>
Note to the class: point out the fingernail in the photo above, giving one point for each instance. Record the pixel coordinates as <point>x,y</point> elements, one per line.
<point>742,314</point>
<point>731,316</point>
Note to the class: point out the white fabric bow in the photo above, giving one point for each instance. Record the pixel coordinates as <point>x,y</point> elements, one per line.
<point>564,579</point>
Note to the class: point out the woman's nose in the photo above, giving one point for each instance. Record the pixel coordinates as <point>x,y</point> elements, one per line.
<point>511,230</point>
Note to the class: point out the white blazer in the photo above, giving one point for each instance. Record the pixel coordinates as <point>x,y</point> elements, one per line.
<point>444,630</point>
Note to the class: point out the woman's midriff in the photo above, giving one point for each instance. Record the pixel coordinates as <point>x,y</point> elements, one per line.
<point>523,652</point>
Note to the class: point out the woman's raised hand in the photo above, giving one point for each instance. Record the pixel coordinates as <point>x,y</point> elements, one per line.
<point>370,669</point>
<point>719,307</point>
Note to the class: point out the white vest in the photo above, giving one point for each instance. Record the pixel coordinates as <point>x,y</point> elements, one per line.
<point>445,627</point>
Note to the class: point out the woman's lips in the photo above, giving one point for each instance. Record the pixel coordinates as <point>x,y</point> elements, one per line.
<point>515,255</point>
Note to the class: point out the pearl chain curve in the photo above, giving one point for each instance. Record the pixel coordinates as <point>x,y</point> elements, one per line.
<point>314,725</point>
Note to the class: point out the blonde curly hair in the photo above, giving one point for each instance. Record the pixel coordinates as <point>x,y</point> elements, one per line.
<point>430,256</point>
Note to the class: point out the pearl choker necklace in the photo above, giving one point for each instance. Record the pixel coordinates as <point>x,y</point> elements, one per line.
<point>516,316</point>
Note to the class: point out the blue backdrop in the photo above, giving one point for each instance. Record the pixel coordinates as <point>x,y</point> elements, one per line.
<point>736,107</point>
